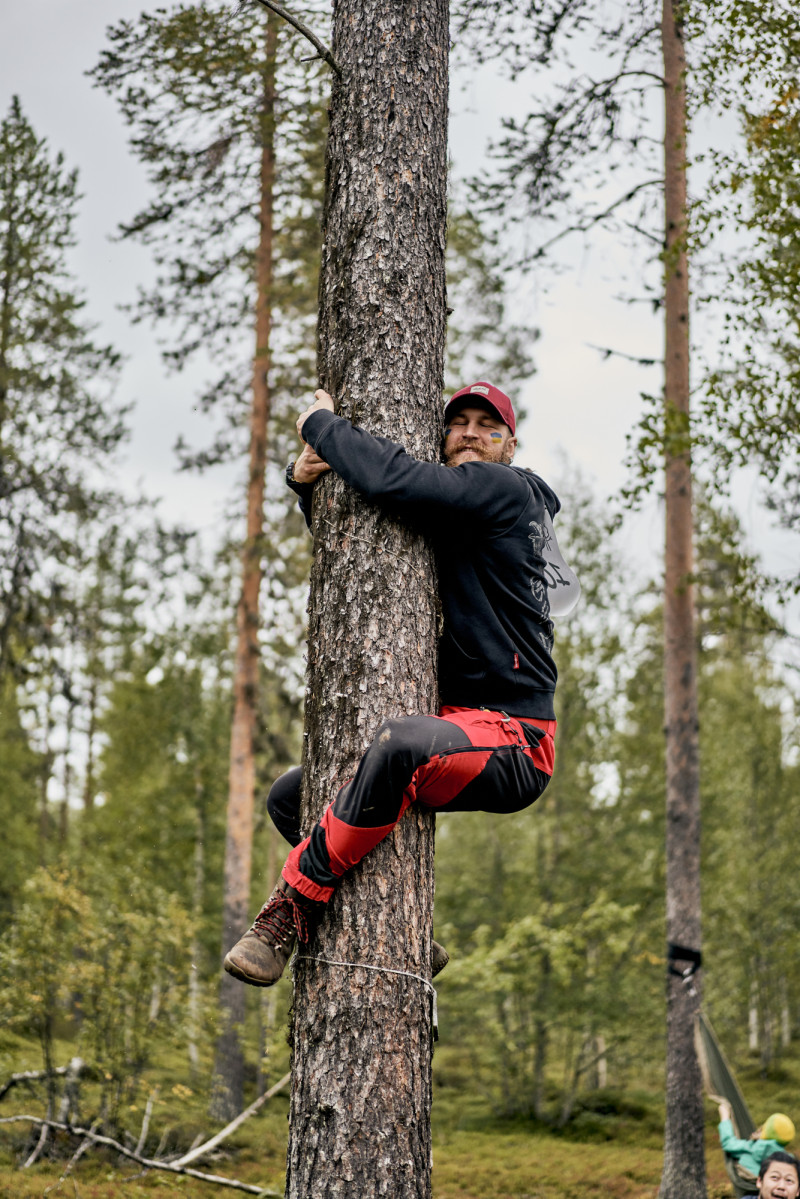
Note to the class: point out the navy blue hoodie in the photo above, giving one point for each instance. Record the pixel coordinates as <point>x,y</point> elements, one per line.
<point>486,521</point>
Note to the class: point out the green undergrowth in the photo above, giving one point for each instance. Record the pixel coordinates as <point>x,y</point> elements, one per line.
<point>610,1149</point>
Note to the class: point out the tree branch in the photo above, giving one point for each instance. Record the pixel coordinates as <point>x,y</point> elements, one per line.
<point>590,222</point>
<point>79,1152</point>
<point>148,1111</point>
<point>322,50</point>
<point>30,1076</point>
<point>149,1163</point>
<point>609,353</point>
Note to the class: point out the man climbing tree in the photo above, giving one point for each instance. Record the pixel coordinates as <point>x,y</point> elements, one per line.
<point>362,1015</point>
<point>362,1039</point>
<point>491,747</point>
<point>491,528</point>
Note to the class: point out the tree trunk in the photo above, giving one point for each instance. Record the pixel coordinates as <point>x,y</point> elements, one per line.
<point>684,1160</point>
<point>752,1020</point>
<point>786,1016</point>
<point>194,1014</point>
<point>362,1039</point>
<point>91,737</point>
<point>228,1085</point>
<point>267,1000</point>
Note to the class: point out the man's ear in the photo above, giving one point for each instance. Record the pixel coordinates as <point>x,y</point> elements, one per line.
<point>511,448</point>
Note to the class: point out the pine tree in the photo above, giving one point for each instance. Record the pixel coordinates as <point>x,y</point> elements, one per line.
<point>58,425</point>
<point>684,1159</point>
<point>362,1039</point>
<point>19,769</point>
<point>231,130</point>
<point>584,134</point>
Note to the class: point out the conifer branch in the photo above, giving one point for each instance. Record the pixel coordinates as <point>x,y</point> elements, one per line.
<point>607,353</point>
<point>322,50</point>
<point>591,221</point>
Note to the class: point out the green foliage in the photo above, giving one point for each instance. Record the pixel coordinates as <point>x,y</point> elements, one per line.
<point>111,967</point>
<point>40,963</point>
<point>58,426</point>
<point>751,898</point>
<point>555,917</point>
<point>163,773</point>
<point>19,773</point>
<point>133,982</point>
<point>750,407</point>
<point>549,912</point>
<point>190,82</point>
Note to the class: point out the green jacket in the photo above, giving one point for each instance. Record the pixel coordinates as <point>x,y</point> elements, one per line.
<point>749,1154</point>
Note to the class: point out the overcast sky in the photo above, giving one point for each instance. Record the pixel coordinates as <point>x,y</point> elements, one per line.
<point>579,405</point>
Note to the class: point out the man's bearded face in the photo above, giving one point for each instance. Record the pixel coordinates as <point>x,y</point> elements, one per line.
<point>477,434</point>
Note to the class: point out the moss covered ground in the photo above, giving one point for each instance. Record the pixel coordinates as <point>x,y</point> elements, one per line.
<point>611,1149</point>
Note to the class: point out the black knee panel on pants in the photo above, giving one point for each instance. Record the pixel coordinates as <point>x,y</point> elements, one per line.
<point>283,804</point>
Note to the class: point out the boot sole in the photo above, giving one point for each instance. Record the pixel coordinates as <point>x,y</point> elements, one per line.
<point>244,977</point>
<point>440,967</point>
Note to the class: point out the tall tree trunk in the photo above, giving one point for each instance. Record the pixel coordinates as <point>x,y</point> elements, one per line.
<point>362,1039</point>
<point>228,1084</point>
<point>91,749</point>
<point>193,1022</point>
<point>66,772</point>
<point>268,1004</point>
<point>47,759</point>
<point>684,1159</point>
<point>752,1019</point>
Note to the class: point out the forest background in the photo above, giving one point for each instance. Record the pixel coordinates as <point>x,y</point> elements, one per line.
<point>116,707</point>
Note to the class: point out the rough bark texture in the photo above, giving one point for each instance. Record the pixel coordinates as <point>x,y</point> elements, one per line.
<point>684,1160</point>
<point>228,1084</point>
<point>362,1039</point>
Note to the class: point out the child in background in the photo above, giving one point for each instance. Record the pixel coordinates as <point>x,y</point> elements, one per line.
<point>775,1134</point>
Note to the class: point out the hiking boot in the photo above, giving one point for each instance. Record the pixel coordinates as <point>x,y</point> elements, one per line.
<point>260,956</point>
<point>439,958</point>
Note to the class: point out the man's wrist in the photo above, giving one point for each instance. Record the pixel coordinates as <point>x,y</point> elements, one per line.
<point>291,481</point>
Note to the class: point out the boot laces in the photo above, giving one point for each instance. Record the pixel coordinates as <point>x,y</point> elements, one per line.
<point>279,918</point>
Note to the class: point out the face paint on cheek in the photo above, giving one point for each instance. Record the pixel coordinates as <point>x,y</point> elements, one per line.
<point>495,436</point>
<point>447,432</point>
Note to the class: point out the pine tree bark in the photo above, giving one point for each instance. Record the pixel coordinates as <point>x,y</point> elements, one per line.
<point>684,1158</point>
<point>362,1038</point>
<point>228,1083</point>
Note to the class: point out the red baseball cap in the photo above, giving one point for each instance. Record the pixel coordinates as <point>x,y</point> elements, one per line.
<point>488,394</point>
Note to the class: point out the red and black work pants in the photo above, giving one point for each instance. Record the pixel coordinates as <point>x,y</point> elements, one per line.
<point>464,760</point>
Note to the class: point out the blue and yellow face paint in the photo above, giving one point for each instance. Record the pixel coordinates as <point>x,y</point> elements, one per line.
<point>494,434</point>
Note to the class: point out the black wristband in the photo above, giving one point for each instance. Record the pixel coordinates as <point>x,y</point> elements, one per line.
<point>290,479</point>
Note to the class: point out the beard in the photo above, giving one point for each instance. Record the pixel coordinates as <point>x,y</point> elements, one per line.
<point>484,453</point>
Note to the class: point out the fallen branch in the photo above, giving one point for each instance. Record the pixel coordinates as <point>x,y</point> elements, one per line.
<point>207,1146</point>
<point>38,1148</point>
<point>79,1152</point>
<point>30,1076</point>
<point>149,1163</point>
<point>148,1111</point>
